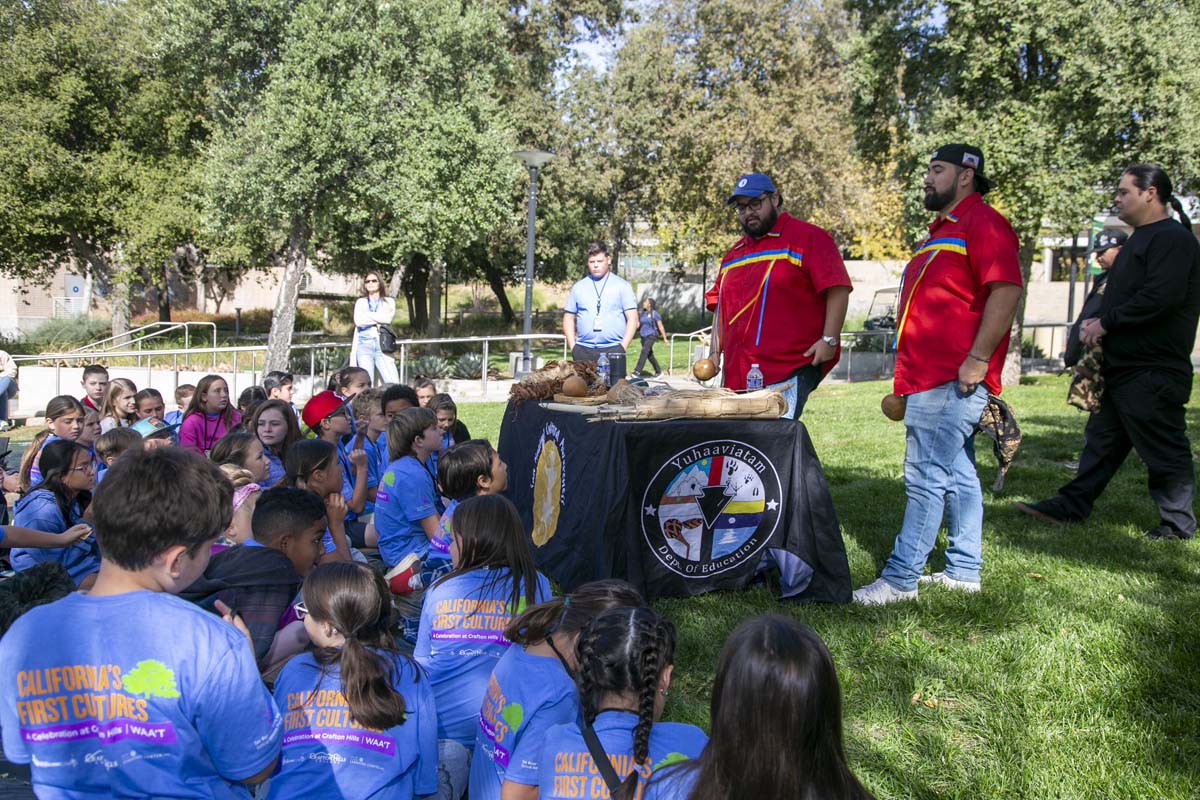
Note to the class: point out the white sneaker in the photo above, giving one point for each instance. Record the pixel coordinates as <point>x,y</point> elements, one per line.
<point>880,593</point>
<point>943,579</point>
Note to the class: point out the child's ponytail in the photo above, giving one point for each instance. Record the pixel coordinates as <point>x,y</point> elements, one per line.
<point>355,600</point>
<point>30,455</point>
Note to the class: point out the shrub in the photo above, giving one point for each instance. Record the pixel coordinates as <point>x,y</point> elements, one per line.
<point>428,367</point>
<point>468,367</point>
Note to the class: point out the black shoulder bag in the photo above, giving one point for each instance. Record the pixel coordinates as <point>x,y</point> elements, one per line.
<point>387,339</point>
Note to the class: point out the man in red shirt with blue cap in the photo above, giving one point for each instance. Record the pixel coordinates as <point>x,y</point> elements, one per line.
<point>957,300</point>
<point>780,298</point>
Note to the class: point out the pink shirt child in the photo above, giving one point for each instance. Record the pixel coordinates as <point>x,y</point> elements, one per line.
<point>201,431</point>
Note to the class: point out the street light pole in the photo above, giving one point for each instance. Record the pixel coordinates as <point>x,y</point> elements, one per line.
<point>533,160</point>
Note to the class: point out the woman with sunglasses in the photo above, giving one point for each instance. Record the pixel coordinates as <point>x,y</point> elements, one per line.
<point>370,312</point>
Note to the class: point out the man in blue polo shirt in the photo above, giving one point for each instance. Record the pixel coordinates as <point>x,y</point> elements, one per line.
<point>600,315</point>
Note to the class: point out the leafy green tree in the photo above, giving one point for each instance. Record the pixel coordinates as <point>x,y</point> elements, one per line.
<point>1060,96</point>
<point>376,136</point>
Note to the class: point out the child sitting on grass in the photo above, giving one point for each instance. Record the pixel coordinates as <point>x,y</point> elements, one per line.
<point>261,578</point>
<point>452,428</point>
<point>148,404</point>
<point>355,675</point>
<point>465,470</point>
<point>536,677</point>
<point>330,419</point>
<point>312,465</point>
<point>55,505</point>
<point>243,450</point>
<point>276,426</point>
<point>624,661</point>
<point>64,420</point>
<point>112,444</point>
<point>461,634</point>
<point>183,396</point>
<point>209,415</point>
<point>184,711</point>
<point>120,407</point>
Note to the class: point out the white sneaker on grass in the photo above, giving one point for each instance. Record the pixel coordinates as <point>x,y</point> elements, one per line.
<point>943,579</point>
<point>880,593</point>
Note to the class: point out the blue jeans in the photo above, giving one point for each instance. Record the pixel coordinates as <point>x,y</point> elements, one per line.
<point>939,476</point>
<point>8,388</point>
<point>372,359</point>
<point>797,388</point>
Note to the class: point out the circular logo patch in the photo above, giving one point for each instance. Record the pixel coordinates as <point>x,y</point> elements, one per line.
<point>711,507</point>
<point>548,485</point>
<point>742,183</point>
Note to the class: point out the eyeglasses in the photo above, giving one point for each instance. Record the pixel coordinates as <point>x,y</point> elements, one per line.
<point>88,467</point>
<point>371,280</point>
<point>341,412</point>
<point>301,610</point>
<point>754,204</point>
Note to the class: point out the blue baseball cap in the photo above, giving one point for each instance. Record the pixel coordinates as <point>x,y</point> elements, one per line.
<point>752,184</point>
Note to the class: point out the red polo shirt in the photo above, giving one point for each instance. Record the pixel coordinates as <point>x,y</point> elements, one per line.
<point>943,293</point>
<point>770,299</point>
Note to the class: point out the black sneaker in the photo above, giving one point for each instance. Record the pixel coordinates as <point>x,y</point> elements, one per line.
<point>1047,511</point>
<point>1167,533</point>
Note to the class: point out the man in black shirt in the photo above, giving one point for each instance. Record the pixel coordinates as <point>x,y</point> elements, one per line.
<point>1147,327</point>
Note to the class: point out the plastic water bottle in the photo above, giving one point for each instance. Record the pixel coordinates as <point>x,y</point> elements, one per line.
<point>754,379</point>
<point>604,373</point>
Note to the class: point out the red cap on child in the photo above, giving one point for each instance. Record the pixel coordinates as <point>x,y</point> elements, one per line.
<point>320,407</point>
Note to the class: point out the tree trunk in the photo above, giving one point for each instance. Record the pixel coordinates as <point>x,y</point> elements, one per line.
<point>437,273</point>
<point>495,279</point>
<point>164,291</point>
<point>417,287</point>
<point>1011,374</point>
<point>120,306</point>
<point>283,321</point>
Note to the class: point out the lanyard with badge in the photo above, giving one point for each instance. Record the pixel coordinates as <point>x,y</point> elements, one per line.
<point>599,296</point>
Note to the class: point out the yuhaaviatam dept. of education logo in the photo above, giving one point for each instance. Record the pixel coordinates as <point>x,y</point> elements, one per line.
<point>548,484</point>
<point>711,507</point>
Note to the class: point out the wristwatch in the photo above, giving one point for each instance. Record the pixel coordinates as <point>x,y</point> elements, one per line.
<point>830,340</point>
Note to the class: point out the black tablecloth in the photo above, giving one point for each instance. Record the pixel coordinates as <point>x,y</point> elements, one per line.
<point>676,508</point>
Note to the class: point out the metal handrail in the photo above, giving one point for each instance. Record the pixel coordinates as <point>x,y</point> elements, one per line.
<point>689,336</point>
<point>254,350</point>
<point>132,336</point>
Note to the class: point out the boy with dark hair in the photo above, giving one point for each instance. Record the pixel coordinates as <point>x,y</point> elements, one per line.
<point>453,430</point>
<point>148,695</point>
<point>370,421</point>
<point>396,398</point>
<point>261,578</point>
<point>95,386</point>
<point>278,385</point>
<point>183,396</point>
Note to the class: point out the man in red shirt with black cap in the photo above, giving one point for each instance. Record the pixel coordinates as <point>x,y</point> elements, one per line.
<point>780,298</point>
<point>957,300</point>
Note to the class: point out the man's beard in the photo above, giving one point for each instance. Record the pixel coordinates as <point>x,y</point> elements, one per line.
<point>766,220</point>
<point>936,201</point>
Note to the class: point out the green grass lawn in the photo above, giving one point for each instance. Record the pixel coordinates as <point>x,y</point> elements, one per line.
<point>1073,675</point>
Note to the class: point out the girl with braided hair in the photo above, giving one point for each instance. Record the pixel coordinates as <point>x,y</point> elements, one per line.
<point>359,718</point>
<point>532,688</point>
<point>787,749</point>
<point>624,660</point>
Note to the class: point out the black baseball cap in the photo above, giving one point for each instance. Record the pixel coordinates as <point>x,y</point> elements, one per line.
<point>964,155</point>
<point>1108,239</point>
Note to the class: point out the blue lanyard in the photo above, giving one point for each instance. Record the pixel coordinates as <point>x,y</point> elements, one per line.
<point>600,291</point>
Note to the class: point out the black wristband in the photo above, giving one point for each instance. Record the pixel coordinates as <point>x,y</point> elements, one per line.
<point>977,358</point>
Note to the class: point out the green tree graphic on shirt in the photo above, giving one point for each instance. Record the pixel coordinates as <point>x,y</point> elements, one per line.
<point>513,714</point>
<point>151,679</point>
<point>668,760</point>
<point>520,609</point>
<point>389,478</point>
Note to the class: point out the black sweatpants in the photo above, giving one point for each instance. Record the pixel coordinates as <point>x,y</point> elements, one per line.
<point>1144,411</point>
